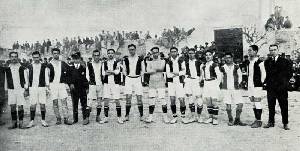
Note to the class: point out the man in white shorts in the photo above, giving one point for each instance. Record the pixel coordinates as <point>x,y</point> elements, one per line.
<point>111,90</point>
<point>93,75</point>
<point>134,70</point>
<point>38,87</point>
<point>175,70</point>
<point>17,85</point>
<point>192,86</point>
<point>255,78</point>
<point>155,69</point>
<point>211,89</point>
<point>60,77</point>
<point>232,78</point>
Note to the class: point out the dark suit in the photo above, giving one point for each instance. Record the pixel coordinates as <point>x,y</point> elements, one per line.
<point>278,74</point>
<point>81,86</point>
<point>2,90</point>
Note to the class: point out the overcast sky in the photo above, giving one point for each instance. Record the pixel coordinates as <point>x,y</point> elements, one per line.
<point>40,19</point>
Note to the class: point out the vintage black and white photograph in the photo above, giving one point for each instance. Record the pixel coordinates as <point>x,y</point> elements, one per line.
<point>149,75</point>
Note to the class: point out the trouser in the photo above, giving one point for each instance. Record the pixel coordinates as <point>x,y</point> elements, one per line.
<point>83,101</point>
<point>65,109</point>
<point>2,100</point>
<point>282,97</point>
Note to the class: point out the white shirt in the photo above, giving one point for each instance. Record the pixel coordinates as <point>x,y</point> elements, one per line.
<point>193,69</point>
<point>57,71</point>
<point>207,71</point>
<point>251,72</point>
<point>110,66</point>
<point>132,65</point>
<point>230,78</point>
<point>36,69</point>
<point>97,72</point>
<point>16,75</point>
<point>175,70</point>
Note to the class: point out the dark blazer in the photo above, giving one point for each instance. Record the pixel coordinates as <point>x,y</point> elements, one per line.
<point>78,78</point>
<point>278,74</point>
<point>2,78</point>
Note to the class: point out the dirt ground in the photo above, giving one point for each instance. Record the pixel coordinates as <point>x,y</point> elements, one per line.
<point>135,135</point>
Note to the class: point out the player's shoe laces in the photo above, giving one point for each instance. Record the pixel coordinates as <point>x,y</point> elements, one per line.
<point>209,120</point>
<point>149,119</point>
<point>120,120</point>
<point>166,119</point>
<point>142,118</point>
<point>44,123</point>
<point>174,120</point>
<point>215,122</point>
<point>185,120</point>
<point>104,120</point>
<point>31,124</point>
<point>200,120</point>
<point>126,118</point>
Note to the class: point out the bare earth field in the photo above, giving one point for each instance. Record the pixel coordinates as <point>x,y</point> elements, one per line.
<point>135,135</point>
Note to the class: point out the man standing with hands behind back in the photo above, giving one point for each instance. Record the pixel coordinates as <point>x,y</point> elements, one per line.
<point>278,73</point>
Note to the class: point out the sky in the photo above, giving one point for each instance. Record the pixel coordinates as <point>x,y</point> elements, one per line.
<point>32,20</point>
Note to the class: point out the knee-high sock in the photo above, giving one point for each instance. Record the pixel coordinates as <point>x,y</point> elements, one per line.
<point>32,115</point>
<point>229,114</point>
<point>164,108</point>
<point>151,109</point>
<point>141,109</point>
<point>98,111</point>
<point>21,115</point>
<point>118,108</point>
<point>106,109</point>
<point>14,115</point>
<point>199,109</point>
<point>173,109</point>
<point>192,107</point>
<point>43,113</point>
<point>182,110</point>
<point>128,106</point>
<point>238,113</point>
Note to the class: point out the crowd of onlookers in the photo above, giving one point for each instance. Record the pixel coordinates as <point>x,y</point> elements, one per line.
<point>104,40</point>
<point>278,21</point>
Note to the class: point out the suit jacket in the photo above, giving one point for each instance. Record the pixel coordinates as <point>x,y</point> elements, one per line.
<point>78,78</point>
<point>2,79</point>
<point>278,74</point>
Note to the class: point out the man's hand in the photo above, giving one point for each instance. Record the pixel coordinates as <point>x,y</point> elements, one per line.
<point>47,90</point>
<point>26,92</point>
<point>72,86</point>
<point>175,74</point>
<point>109,72</point>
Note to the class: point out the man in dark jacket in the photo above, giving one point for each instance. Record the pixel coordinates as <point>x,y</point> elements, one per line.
<point>2,91</point>
<point>278,73</point>
<point>79,87</point>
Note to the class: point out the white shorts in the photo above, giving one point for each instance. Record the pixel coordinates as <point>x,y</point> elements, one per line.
<point>232,96</point>
<point>175,89</point>
<point>133,84</point>
<point>111,91</point>
<point>158,92</point>
<point>95,91</point>
<point>16,96</point>
<point>192,87</point>
<point>256,92</point>
<point>211,89</point>
<point>37,95</point>
<point>58,91</point>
